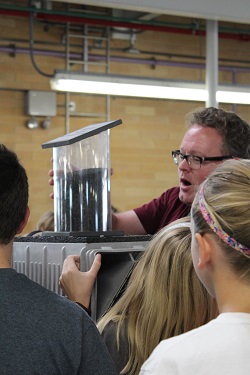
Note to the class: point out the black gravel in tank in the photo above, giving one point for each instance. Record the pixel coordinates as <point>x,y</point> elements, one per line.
<point>81,203</point>
<point>88,239</point>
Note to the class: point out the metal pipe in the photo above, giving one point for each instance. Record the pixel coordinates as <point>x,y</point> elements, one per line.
<point>212,62</point>
<point>85,56</point>
<point>67,99</point>
<point>153,62</point>
<point>73,17</point>
<point>14,41</point>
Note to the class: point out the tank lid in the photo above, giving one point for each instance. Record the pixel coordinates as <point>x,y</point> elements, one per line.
<point>78,135</point>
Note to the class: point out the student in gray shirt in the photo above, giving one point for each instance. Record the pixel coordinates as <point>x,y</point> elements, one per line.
<point>40,332</point>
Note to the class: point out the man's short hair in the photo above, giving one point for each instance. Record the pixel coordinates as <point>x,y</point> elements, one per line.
<point>14,192</point>
<point>235,132</point>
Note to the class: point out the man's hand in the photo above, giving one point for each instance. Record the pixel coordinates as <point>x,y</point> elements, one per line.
<point>51,181</point>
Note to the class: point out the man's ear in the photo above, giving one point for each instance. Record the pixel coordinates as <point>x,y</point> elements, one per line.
<point>204,249</point>
<point>24,222</point>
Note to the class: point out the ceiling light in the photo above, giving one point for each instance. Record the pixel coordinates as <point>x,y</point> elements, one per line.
<point>127,86</point>
<point>233,94</point>
<point>145,88</point>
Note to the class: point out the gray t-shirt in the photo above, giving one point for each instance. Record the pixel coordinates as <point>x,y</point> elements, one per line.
<point>43,333</point>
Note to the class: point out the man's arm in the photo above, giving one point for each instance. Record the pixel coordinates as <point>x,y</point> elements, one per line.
<point>128,222</point>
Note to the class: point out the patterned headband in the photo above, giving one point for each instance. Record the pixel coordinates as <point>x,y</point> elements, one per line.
<point>219,231</point>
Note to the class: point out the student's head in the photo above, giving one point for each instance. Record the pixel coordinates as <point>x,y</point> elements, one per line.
<point>164,297</point>
<point>211,133</point>
<point>13,195</point>
<point>221,220</point>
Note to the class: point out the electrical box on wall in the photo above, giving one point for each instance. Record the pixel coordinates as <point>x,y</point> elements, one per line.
<point>41,103</point>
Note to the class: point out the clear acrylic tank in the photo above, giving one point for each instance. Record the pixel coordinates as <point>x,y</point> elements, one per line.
<point>81,164</point>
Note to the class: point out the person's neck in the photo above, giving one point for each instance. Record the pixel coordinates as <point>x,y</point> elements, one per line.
<point>233,295</point>
<point>6,255</point>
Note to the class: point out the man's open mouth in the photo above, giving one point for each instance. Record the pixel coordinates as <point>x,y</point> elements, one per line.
<point>185,182</point>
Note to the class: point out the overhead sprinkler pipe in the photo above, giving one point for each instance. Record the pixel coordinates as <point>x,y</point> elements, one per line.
<point>73,17</point>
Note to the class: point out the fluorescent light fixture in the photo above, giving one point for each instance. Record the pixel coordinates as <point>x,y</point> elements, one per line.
<point>233,94</point>
<point>144,88</point>
<point>126,86</point>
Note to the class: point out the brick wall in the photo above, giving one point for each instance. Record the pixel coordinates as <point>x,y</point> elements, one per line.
<point>140,148</point>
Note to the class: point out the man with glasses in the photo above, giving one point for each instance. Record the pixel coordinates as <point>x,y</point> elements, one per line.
<point>213,135</point>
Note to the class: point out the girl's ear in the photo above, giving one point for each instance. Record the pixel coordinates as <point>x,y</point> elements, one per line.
<point>204,249</point>
<point>24,222</point>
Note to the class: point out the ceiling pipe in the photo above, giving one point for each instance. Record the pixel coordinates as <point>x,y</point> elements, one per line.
<point>212,67</point>
<point>13,42</point>
<point>134,60</point>
<point>62,17</point>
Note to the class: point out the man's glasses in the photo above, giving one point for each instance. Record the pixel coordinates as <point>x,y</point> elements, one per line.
<point>195,161</point>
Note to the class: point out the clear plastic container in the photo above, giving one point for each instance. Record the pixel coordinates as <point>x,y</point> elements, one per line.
<point>81,164</point>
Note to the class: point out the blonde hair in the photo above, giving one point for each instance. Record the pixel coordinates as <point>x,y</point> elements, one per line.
<point>226,194</point>
<point>46,222</point>
<point>164,297</point>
